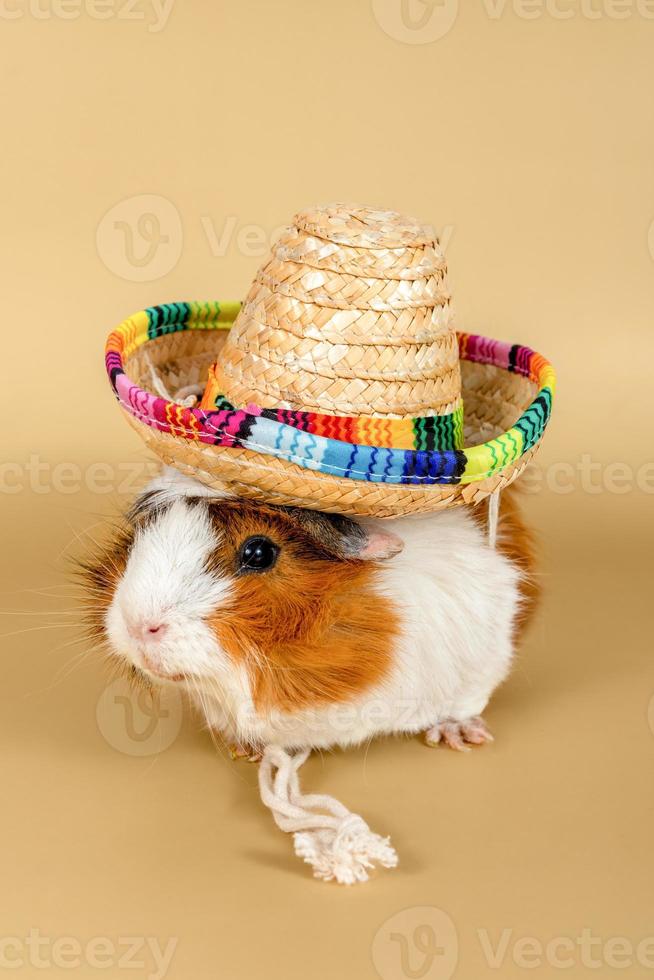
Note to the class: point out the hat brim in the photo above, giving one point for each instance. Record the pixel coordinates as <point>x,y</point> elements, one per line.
<point>507,395</point>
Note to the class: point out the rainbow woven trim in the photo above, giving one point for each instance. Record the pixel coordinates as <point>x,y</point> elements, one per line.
<point>440,432</point>
<point>285,434</point>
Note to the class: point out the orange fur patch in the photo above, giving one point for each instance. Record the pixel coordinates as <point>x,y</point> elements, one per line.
<point>311,631</point>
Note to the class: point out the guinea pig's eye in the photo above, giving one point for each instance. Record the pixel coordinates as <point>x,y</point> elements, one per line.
<point>257,555</point>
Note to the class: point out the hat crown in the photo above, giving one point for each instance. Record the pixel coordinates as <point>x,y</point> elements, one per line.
<point>350,315</point>
<point>364,227</point>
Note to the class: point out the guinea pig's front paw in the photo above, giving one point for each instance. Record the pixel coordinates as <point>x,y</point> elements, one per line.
<point>238,751</point>
<point>459,735</point>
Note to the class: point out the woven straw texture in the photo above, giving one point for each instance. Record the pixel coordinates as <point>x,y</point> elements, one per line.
<point>340,384</point>
<point>350,315</point>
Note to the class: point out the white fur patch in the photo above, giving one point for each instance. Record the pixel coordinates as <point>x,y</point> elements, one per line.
<point>166,583</point>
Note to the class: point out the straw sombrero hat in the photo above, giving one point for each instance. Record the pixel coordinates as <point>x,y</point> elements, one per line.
<point>340,383</point>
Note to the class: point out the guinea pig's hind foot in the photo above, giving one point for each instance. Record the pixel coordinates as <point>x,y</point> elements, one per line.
<point>459,735</point>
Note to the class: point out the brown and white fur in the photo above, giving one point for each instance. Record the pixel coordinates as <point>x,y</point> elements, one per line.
<point>359,629</point>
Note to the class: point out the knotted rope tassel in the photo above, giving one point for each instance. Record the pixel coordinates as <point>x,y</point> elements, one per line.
<point>337,843</point>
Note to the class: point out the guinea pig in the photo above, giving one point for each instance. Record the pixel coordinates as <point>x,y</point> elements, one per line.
<point>299,629</point>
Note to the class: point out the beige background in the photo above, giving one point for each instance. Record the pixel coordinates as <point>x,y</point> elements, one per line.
<point>526,136</point>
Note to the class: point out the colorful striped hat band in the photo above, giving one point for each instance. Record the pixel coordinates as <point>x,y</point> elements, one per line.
<point>340,383</point>
<point>300,436</point>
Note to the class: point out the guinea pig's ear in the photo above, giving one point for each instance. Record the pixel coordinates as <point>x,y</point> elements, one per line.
<point>381,544</point>
<point>345,538</point>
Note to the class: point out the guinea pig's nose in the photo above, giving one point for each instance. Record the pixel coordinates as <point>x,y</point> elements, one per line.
<point>149,630</point>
